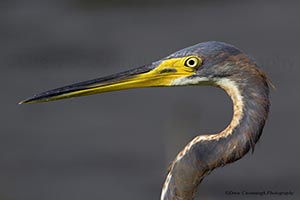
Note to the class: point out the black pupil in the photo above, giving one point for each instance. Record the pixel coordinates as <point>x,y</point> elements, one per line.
<point>191,62</point>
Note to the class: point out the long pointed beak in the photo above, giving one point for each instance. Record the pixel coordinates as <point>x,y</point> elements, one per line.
<point>146,76</point>
<point>124,80</point>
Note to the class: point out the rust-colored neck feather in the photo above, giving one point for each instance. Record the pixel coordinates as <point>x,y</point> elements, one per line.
<point>249,92</point>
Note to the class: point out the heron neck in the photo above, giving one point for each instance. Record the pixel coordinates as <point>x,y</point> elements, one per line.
<point>207,152</point>
<point>250,98</point>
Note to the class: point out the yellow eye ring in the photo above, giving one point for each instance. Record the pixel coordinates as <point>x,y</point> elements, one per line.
<point>193,62</point>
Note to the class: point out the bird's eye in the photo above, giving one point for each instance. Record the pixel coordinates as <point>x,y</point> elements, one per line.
<point>192,62</point>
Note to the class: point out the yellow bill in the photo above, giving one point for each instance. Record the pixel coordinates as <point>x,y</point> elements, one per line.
<point>158,74</point>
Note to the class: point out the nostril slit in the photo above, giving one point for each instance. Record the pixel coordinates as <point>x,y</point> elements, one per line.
<point>167,70</point>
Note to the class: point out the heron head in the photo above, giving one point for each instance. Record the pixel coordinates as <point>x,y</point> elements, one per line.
<point>200,64</point>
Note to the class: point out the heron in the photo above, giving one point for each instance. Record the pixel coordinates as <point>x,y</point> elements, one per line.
<point>208,63</point>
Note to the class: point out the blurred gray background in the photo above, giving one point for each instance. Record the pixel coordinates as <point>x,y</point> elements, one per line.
<point>118,145</point>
